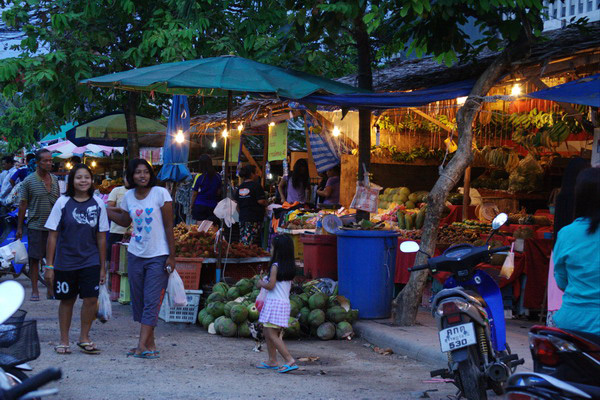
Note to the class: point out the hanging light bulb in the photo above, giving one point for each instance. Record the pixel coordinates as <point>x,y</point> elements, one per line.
<point>224,133</point>
<point>516,90</point>
<point>240,127</point>
<point>179,138</point>
<point>214,143</point>
<point>68,165</point>
<point>94,164</point>
<point>461,100</point>
<point>336,131</point>
<point>271,123</point>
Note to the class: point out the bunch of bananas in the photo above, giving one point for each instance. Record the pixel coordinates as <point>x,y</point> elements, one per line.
<point>532,119</point>
<point>512,163</point>
<point>497,157</point>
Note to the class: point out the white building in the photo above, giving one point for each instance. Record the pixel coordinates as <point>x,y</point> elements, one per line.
<point>561,12</point>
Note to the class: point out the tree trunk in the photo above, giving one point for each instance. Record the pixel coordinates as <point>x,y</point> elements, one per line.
<point>365,81</point>
<point>406,304</point>
<point>130,109</point>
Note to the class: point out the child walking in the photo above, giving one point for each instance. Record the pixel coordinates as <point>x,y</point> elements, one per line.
<point>75,254</point>
<point>275,313</point>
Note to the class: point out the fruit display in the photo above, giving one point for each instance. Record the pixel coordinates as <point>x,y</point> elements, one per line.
<point>456,199</point>
<point>527,176</point>
<point>482,227</point>
<point>528,219</point>
<point>491,179</point>
<point>189,242</point>
<point>229,311</point>
<point>401,196</point>
<point>300,223</point>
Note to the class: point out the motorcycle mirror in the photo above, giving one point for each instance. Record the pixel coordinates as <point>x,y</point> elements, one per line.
<point>12,295</point>
<point>499,220</point>
<point>409,247</point>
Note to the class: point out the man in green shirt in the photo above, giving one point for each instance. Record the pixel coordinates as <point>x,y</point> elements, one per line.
<point>39,192</point>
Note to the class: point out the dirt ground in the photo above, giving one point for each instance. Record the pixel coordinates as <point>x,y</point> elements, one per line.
<point>196,365</point>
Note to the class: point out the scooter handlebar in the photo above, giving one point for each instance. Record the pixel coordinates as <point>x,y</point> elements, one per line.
<point>32,383</point>
<point>418,267</point>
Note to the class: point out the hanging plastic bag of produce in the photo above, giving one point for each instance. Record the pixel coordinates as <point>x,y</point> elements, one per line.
<point>226,210</point>
<point>20,252</point>
<point>260,299</point>
<point>509,263</point>
<point>104,306</point>
<point>176,291</point>
<point>367,195</point>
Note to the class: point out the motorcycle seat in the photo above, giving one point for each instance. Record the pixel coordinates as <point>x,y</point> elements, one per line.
<point>590,337</point>
<point>468,295</point>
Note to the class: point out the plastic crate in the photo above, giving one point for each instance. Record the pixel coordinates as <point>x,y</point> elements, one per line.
<point>124,294</point>
<point>123,259</point>
<point>189,270</point>
<point>115,255</point>
<point>187,314</point>
<point>115,286</point>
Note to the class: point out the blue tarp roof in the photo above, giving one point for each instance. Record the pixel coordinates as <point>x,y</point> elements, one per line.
<point>393,100</point>
<point>584,91</point>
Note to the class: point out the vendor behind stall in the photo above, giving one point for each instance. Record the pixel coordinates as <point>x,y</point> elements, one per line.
<point>296,188</point>
<point>206,191</point>
<point>251,201</point>
<point>331,193</point>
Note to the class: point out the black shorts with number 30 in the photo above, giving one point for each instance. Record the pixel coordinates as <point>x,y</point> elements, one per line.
<point>84,282</point>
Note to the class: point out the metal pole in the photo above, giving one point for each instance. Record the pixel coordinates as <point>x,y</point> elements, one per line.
<point>225,184</point>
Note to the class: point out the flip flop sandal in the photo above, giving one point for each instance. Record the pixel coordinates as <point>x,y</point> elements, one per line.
<point>287,368</point>
<point>34,297</point>
<point>264,365</point>
<point>65,349</point>
<point>88,348</point>
<point>147,355</point>
<point>131,352</point>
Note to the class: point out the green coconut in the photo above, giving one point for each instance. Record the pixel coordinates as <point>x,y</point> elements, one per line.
<point>245,286</point>
<point>202,314</point>
<point>343,330</point>
<point>326,331</point>
<point>233,293</point>
<point>227,308</point>
<point>336,314</point>
<point>243,330</point>
<point>221,288</point>
<point>296,298</point>
<point>352,316</point>
<point>228,328</point>
<point>293,329</point>
<point>207,320</point>
<point>216,309</point>
<point>215,297</point>
<point>217,323</point>
<point>316,317</point>
<point>304,297</point>
<point>253,313</point>
<point>239,313</point>
<point>303,318</point>
<point>253,295</point>
<point>332,302</point>
<point>294,308</point>
<point>317,301</point>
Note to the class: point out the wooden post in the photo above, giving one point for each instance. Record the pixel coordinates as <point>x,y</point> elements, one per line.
<point>265,156</point>
<point>466,193</point>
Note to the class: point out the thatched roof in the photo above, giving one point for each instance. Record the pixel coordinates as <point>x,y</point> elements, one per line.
<point>426,72</point>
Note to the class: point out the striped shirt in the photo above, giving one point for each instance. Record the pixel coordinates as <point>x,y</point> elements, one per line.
<point>39,200</point>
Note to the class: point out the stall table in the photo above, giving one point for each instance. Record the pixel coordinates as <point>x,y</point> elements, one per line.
<point>456,214</point>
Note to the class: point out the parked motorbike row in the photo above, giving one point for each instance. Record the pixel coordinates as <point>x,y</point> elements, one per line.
<point>469,313</point>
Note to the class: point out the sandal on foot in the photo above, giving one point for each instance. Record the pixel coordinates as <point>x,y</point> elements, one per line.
<point>147,355</point>
<point>287,368</point>
<point>34,297</point>
<point>264,365</point>
<point>131,352</point>
<point>88,348</point>
<point>62,349</point>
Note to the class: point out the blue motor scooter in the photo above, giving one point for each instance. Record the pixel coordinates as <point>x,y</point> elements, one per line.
<point>8,233</point>
<point>470,317</point>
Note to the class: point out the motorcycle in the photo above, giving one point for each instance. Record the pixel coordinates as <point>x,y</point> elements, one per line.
<point>19,342</point>
<point>536,386</point>
<point>470,318</point>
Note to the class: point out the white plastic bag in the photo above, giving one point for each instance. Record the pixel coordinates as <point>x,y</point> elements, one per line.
<point>176,291</point>
<point>367,195</point>
<point>226,210</point>
<point>509,264</point>
<point>20,252</point>
<point>104,306</point>
<point>260,299</point>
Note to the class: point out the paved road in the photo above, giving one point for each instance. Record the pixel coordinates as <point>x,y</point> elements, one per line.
<point>196,365</point>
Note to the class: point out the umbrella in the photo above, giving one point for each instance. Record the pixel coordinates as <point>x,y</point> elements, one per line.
<point>216,76</point>
<point>60,135</point>
<point>110,129</point>
<point>67,149</point>
<point>176,151</point>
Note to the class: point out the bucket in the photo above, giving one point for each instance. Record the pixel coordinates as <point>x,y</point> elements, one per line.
<point>320,256</point>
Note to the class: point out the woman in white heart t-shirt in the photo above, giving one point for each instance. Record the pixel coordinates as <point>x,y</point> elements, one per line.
<point>151,249</point>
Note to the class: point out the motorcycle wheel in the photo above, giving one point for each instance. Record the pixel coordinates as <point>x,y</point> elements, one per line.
<point>472,380</point>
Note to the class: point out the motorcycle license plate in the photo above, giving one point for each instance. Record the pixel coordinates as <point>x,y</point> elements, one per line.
<point>457,337</point>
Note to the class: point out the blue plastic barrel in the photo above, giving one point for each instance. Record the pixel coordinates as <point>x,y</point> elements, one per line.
<point>366,268</point>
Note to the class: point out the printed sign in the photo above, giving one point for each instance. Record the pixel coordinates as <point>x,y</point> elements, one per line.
<point>278,142</point>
